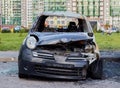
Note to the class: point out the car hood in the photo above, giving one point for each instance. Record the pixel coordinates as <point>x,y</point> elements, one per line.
<point>54,38</point>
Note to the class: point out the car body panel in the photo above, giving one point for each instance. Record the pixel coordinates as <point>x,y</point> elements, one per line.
<point>54,38</point>
<point>62,13</point>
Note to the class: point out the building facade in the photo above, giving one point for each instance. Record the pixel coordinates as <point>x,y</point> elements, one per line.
<point>115,12</point>
<point>93,9</point>
<point>112,12</point>
<point>38,8</point>
<point>0,8</point>
<point>0,16</point>
<point>11,12</point>
<point>30,9</point>
<point>55,5</point>
<point>24,12</point>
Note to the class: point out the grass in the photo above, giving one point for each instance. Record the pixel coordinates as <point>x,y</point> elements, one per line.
<point>13,41</point>
<point>108,42</point>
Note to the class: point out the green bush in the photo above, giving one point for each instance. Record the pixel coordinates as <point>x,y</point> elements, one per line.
<point>95,29</point>
<point>24,30</point>
<point>99,31</point>
<point>118,32</point>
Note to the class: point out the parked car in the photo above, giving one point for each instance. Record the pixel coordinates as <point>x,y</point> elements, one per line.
<point>17,29</point>
<point>115,29</point>
<point>5,30</point>
<point>70,53</point>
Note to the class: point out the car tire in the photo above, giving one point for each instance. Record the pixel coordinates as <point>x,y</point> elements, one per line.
<point>95,70</point>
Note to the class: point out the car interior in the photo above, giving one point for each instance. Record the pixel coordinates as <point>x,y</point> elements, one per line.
<point>77,25</point>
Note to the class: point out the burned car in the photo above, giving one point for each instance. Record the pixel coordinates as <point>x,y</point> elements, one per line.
<point>64,51</point>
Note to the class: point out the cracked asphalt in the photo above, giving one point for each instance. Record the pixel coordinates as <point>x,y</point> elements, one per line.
<point>9,74</point>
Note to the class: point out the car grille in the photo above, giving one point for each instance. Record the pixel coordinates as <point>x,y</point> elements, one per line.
<point>58,70</point>
<point>43,55</point>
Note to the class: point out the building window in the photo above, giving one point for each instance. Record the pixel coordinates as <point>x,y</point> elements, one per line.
<point>74,8</point>
<point>69,9</point>
<point>107,4</point>
<point>63,22</point>
<point>58,22</point>
<point>74,0</point>
<point>68,4</point>
<point>51,22</point>
<point>74,4</point>
<point>107,13</point>
<point>101,8</point>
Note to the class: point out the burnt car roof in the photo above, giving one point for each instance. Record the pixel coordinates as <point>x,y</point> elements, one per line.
<point>62,13</point>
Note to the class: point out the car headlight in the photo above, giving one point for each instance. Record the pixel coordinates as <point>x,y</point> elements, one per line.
<point>31,42</point>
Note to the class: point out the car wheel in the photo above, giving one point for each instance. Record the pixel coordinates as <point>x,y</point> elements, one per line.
<point>22,76</point>
<point>95,70</point>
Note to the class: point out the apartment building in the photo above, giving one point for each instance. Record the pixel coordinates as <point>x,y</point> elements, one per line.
<point>29,10</point>
<point>56,5</point>
<point>0,8</point>
<point>38,8</point>
<point>92,9</point>
<point>24,12</point>
<point>11,12</point>
<point>24,21</point>
<point>0,16</point>
<point>115,12</point>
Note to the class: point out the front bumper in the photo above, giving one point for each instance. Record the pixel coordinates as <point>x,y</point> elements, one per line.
<point>53,70</point>
<point>29,65</point>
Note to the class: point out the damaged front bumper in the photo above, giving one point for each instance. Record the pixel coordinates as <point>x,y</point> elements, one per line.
<point>53,70</point>
<point>50,67</point>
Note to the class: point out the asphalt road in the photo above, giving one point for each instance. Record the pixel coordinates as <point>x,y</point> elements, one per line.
<point>9,79</point>
<point>9,75</point>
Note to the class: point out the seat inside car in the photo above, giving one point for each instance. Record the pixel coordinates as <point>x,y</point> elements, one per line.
<point>72,27</point>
